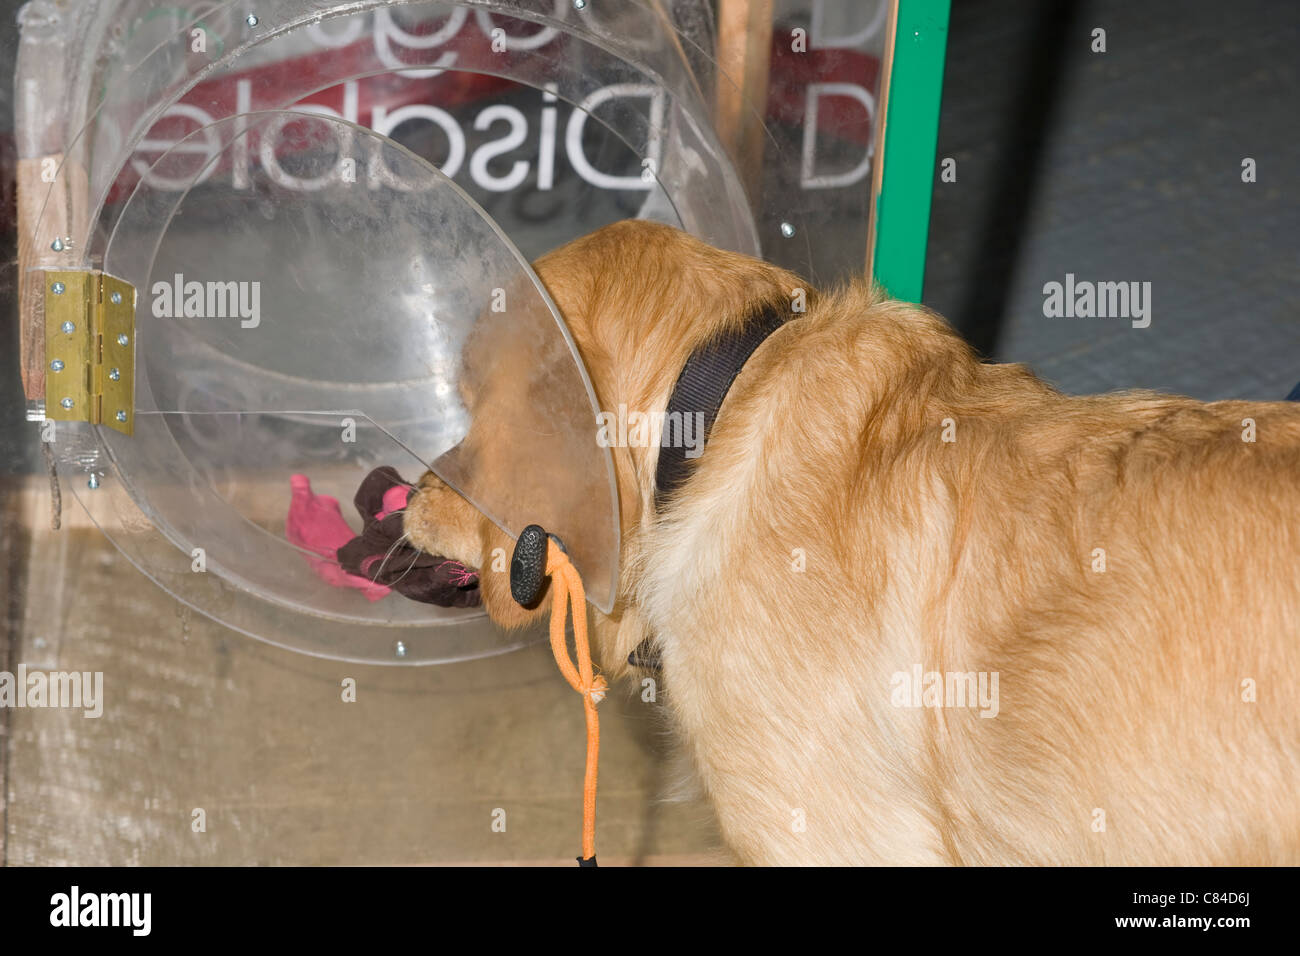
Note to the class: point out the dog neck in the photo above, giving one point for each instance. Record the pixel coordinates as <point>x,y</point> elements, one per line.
<point>698,395</point>
<point>700,390</point>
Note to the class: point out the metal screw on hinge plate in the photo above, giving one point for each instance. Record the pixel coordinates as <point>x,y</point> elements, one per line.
<point>56,365</point>
<point>401,649</point>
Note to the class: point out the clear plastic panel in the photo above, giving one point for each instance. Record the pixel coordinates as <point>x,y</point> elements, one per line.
<point>145,60</point>
<point>330,330</point>
<point>181,153</point>
<point>820,120</point>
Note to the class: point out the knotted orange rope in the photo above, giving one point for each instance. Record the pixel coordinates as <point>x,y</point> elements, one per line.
<point>582,678</point>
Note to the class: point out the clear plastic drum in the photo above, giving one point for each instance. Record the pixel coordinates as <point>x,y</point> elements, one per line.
<point>314,291</point>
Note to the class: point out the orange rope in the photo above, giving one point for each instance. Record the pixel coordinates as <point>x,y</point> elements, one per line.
<point>569,593</point>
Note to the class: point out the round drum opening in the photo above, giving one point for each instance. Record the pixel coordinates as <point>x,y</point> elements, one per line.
<point>311,287</point>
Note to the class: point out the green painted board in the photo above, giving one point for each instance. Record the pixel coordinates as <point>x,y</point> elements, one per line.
<point>911,135</point>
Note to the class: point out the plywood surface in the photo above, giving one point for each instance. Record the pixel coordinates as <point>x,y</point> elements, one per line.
<point>196,716</point>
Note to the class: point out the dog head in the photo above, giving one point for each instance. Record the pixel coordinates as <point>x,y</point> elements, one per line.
<point>638,299</point>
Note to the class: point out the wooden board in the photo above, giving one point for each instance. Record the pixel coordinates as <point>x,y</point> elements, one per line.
<point>46,211</point>
<point>740,97</point>
<point>287,772</point>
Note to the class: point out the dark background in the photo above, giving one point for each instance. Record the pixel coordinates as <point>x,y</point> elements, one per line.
<point>1122,166</point>
<point>1125,166</point>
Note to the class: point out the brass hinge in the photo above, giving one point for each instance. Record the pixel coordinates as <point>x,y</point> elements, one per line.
<point>90,349</point>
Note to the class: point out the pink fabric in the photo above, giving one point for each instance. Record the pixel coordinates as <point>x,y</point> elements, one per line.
<point>461,576</point>
<point>315,523</point>
<point>395,499</point>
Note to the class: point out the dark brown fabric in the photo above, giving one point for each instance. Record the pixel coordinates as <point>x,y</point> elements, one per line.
<point>380,555</point>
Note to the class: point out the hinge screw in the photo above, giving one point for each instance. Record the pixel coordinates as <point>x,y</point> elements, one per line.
<point>116,298</point>
<point>58,288</point>
<point>251,19</point>
<point>122,339</point>
<point>579,4</point>
<point>121,416</point>
<point>92,482</point>
<point>57,245</point>
<point>113,374</point>
<point>56,365</point>
<point>66,403</point>
<point>787,230</point>
<point>68,328</point>
<point>401,649</point>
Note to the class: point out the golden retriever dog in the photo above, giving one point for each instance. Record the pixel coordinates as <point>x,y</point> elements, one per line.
<point>911,608</point>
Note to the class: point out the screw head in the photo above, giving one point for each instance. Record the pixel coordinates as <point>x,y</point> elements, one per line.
<point>579,4</point>
<point>400,649</point>
<point>58,288</point>
<point>116,298</point>
<point>66,403</point>
<point>92,482</point>
<point>56,365</point>
<point>68,328</point>
<point>120,416</point>
<point>122,339</point>
<point>57,245</point>
<point>251,19</point>
<point>114,374</point>
<point>787,230</point>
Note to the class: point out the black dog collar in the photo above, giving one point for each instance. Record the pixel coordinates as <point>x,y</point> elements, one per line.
<point>701,389</point>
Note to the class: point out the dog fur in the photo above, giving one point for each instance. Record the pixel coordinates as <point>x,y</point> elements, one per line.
<point>873,499</point>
